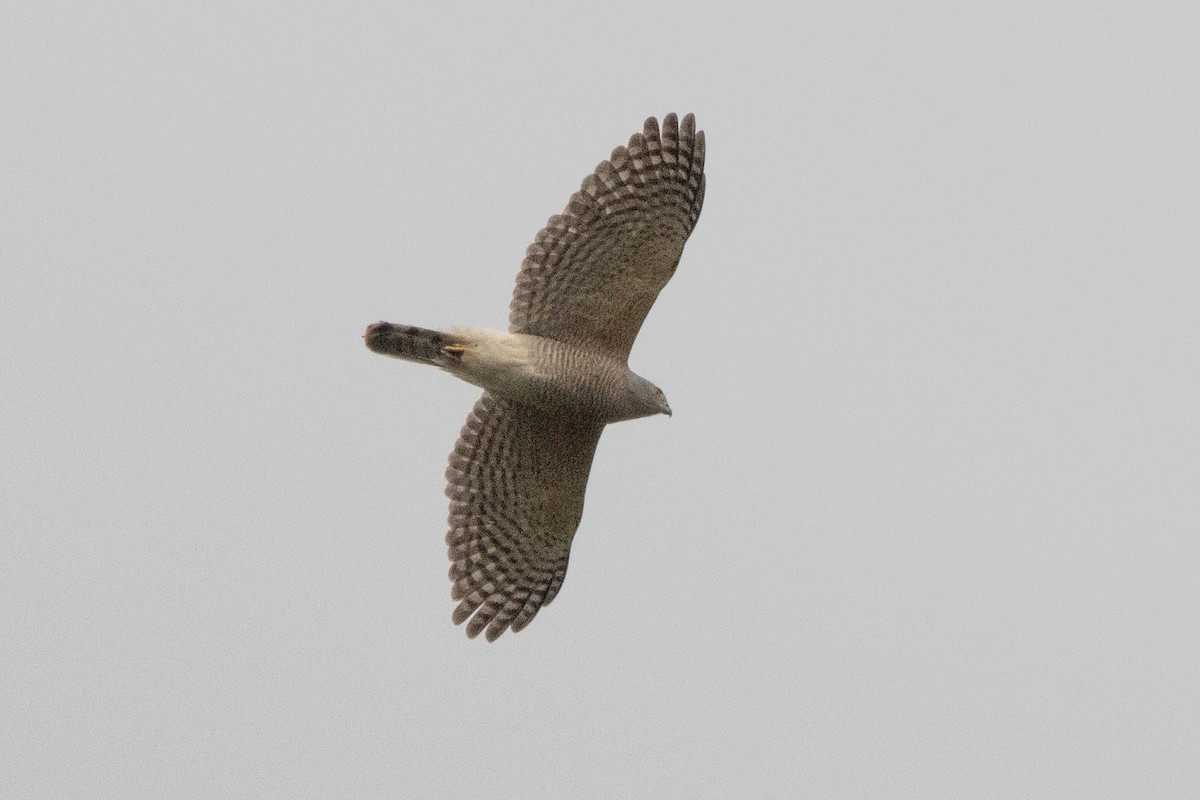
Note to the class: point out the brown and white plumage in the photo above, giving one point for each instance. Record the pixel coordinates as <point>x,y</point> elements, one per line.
<point>515,481</point>
<point>517,476</point>
<point>593,272</point>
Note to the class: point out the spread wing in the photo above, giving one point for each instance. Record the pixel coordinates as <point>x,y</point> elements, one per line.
<point>592,273</point>
<point>516,481</point>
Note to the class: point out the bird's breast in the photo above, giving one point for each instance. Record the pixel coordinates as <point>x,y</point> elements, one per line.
<point>545,373</point>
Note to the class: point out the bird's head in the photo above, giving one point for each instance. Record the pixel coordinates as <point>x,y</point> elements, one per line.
<point>650,398</point>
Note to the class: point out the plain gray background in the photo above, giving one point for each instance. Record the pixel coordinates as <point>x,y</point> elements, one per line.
<point>924,523</point>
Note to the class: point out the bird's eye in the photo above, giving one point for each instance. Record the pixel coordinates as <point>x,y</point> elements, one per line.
<point>657,392</point>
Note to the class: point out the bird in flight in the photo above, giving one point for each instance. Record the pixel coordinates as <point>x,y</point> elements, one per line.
<point>518,472</point>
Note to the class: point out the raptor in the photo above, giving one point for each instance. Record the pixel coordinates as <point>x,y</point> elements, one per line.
<point>518,472</point>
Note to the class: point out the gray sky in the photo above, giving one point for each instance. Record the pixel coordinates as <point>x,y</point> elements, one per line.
<point>924,522</point>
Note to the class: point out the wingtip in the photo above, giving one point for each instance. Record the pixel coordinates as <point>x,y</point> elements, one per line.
<point>650,128</point>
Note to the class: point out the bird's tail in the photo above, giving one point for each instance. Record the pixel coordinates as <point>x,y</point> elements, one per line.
<point>411,343</point>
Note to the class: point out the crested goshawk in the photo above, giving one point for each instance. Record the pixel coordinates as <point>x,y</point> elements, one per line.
<point>560,374</point>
